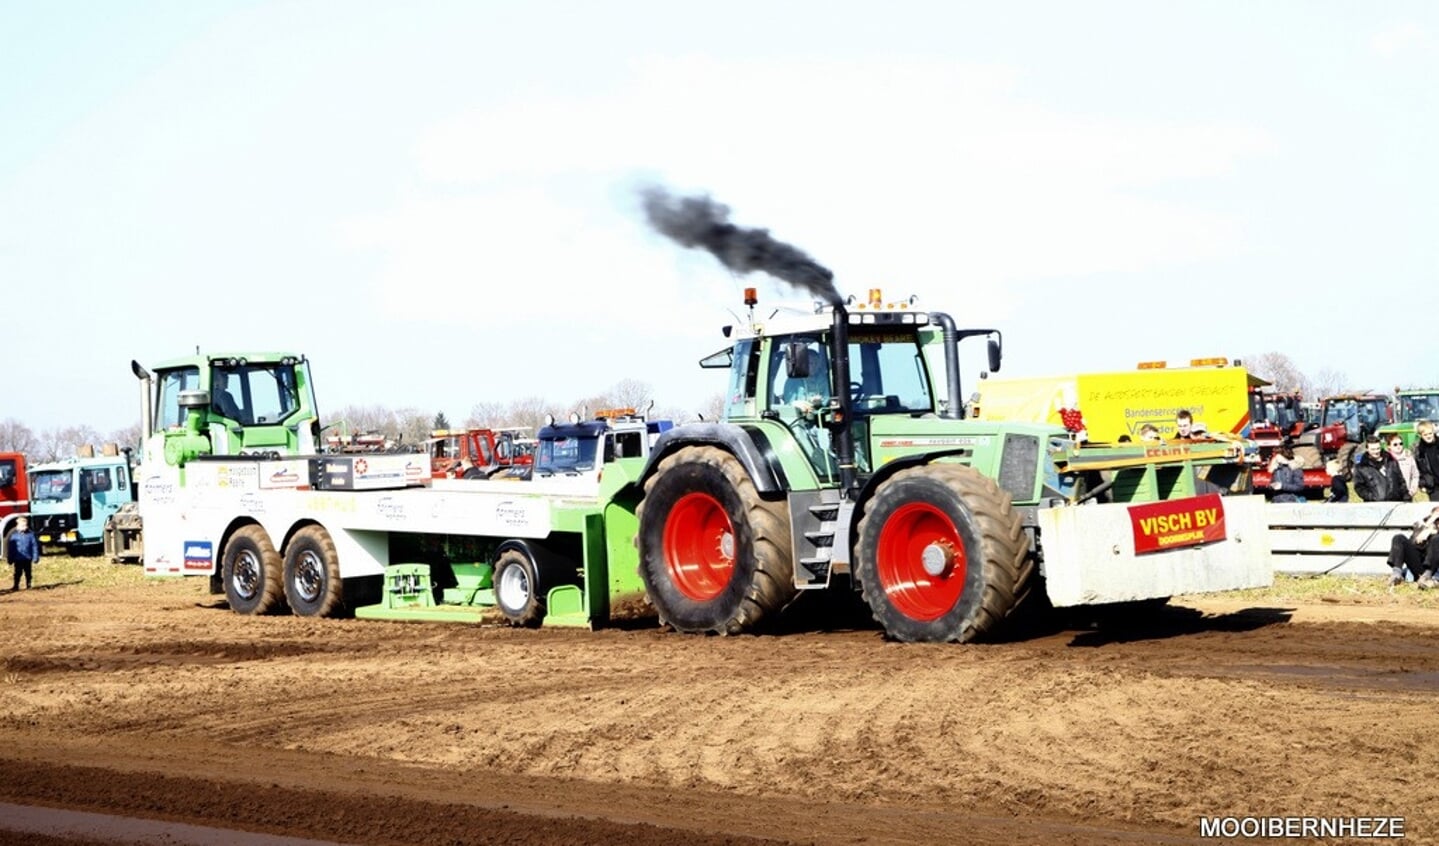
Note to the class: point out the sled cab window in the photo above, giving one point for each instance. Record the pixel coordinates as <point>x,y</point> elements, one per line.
<point>253,394</point>
<point>168,413</point>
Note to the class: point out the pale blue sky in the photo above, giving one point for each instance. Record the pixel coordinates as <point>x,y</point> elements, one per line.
<point>436,200</point>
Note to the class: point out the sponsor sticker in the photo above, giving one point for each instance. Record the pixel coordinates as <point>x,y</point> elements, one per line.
<point>199,555</point>
<point>1177,523</point>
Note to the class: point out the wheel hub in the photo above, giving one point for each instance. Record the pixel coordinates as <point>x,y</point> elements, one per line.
<point>937,558</point>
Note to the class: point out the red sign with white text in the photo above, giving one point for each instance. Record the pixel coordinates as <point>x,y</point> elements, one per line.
<point>1191,521</point>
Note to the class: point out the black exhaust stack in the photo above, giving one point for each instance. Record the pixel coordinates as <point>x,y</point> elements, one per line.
<point>839,421</point>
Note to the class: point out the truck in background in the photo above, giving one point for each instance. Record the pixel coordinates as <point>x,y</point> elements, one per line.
<point>1114,406</point>
<point>72,500</point>
<point>14,492</point>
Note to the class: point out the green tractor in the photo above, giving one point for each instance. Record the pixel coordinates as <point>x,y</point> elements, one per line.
<point>1411,406</point>
<point>844,458</point>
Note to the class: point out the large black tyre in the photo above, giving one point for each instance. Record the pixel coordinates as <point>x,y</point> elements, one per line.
<point>251,570</point>
<point>942,555</point>
<point>519,589</point>
<point>312,574</point>
<point>714,556</point>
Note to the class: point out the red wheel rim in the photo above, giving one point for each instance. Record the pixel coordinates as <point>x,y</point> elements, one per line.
<point>921,561</point>
<point>699,547</point>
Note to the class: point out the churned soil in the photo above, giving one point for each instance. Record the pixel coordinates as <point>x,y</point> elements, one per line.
<point>151,700</point>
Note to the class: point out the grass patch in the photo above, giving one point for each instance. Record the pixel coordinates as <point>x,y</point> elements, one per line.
<point>85,573</point>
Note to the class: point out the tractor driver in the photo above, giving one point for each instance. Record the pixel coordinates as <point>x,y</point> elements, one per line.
<point>806,385</point>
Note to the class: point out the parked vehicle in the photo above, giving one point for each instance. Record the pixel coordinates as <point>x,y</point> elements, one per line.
<point>71,500</point>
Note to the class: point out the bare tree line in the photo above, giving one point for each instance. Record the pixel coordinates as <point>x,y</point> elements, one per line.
<point>407,426</point>
<point>413,425</point>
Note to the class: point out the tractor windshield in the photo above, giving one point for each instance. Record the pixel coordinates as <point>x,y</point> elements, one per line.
<point>1416,407</point>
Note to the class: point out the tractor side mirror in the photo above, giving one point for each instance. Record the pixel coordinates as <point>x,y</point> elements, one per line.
<point>995,355</point>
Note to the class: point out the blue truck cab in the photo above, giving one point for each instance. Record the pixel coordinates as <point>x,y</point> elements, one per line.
<point>70,500</point>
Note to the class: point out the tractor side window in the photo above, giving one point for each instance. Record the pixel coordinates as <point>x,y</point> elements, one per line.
<point>799,370</point>
<point>7,472</point>
<point>743,373</point>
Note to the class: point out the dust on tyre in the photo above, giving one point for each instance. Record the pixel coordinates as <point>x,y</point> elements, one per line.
<point>251,571</point>
<point>714,555</point>
<point>942,555</point>
<point>519,592</point>
<point>312,574</point>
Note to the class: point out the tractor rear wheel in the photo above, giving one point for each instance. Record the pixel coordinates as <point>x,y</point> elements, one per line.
<point>942,555</point>
<point>714,555</point>
<point>251,571</point>
<point>312,574</point>
<point>518,591</point>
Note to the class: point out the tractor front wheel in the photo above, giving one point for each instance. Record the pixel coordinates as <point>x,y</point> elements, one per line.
<point>942,555</point>
<point>714,555</point>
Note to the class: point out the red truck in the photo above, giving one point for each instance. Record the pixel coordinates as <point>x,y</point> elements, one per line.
<point>14,491</point>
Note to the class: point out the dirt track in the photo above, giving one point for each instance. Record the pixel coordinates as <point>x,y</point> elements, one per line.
<point>154,701</point>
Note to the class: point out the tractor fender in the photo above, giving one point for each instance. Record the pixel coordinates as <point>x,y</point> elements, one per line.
<point>749,444</point>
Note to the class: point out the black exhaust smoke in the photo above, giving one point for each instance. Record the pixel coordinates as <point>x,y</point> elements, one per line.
<point>702,222</point>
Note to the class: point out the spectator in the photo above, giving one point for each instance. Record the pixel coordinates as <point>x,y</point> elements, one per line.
<point>1407,466</point>
<point>1415,552</point>
<point>1286,474</point>
<point>1183,425</point>
<point>1149,433</point>
<point>1426,457</point>
<point>1377,476</point>
<point>22,551</point>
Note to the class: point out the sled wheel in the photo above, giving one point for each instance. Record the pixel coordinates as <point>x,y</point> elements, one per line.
<point>518,590</point>
<point>941,555</point>
<point>714,556</point>
<point>312,574</point>
<point>251,570</point>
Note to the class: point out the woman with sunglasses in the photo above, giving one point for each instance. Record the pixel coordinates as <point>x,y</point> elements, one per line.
<point>1407,466</point>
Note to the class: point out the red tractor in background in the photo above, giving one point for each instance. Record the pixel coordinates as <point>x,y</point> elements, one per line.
<point>490,450</point>
<point>1345,420</point>
<point>1277,416</point>
<point>1324,437</point>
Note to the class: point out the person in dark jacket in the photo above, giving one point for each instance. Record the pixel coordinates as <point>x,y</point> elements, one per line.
<point>1417,552</point>
<point>22,550</point>
<point>1377,476</point>
<point>1426,457</point>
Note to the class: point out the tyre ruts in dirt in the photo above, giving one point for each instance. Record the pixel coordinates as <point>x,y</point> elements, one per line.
<point>714,555</point>
<point>252,573</point>
<point>313,587</point>
<point>942,555</point>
